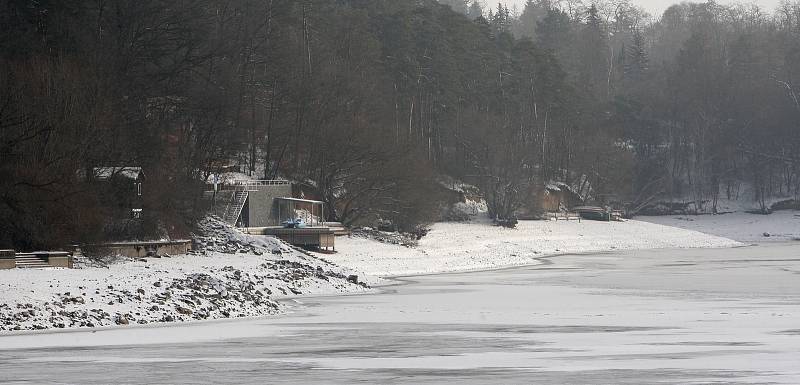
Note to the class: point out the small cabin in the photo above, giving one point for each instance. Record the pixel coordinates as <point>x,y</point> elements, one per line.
<point>557,196</point>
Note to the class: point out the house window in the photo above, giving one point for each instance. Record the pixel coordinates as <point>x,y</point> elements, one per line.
<point>139,189</point>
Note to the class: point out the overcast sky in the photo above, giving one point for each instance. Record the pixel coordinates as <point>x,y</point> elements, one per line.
<point>654,7</point>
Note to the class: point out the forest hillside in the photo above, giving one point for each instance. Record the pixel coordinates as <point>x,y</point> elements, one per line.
<point>374,103</point>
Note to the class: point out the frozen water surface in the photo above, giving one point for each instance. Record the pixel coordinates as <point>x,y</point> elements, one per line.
<point>661,316</point>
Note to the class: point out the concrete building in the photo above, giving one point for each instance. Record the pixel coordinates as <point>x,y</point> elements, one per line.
<point>261,207</point>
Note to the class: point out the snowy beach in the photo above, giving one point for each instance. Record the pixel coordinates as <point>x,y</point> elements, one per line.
<point>743,227</point>
<point>451,247</point>
<point>249,279</point>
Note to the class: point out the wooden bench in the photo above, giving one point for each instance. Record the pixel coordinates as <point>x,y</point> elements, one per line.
<point>565,216</point>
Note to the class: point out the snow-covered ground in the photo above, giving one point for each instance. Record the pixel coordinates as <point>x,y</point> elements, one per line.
<point>743,227</point>
<point>237,276</point>
<point>247,278</point>
<point>450,247</point>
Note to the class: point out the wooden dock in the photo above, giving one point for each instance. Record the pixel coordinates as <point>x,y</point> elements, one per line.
<point>320,237</point>
<point>338,228</point>
<point>564,216</point>
<point>598,213</point>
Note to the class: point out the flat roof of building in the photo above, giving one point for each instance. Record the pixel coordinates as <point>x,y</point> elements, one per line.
<point>300,200</point>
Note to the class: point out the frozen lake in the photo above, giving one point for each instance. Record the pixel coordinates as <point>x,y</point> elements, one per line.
<point>667,316</point>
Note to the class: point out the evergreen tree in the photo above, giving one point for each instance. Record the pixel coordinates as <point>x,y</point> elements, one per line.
<point>475,10</point>
<point>593,56</point>
<point>533,13</point>
<point>459,6</point>
<point>554,31</point>
<point>636,58</point>
<point>501,19</point>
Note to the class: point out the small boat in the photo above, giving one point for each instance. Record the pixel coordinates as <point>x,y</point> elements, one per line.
<point>593,213</point>
<point>296,223</point>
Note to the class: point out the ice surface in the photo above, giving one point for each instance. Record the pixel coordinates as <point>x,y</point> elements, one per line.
<point>659,316</point>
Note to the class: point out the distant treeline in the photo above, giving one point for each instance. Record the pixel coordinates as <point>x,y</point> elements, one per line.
<point>369,101</point>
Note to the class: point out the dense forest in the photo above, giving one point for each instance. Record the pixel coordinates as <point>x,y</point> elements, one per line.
<point>373,102</point>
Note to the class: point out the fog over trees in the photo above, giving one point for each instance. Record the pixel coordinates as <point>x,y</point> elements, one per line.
<point>372,102</point>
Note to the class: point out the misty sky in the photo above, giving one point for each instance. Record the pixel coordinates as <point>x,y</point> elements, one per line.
<point>656,7</point>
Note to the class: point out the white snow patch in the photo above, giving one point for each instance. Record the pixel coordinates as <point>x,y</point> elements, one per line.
<point>743,227</point>
<point>452,247</point>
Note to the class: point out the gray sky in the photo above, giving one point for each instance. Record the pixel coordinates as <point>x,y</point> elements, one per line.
<point>654,7</point>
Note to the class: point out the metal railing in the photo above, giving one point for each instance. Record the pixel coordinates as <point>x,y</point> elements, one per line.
<point>259,183</point>
<point>235,206</point>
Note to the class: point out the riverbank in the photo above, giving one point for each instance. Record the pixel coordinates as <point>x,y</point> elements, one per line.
<point>244,276</point>
<point>743,227</point>
<point>233,276</point>
<point>454,247</point>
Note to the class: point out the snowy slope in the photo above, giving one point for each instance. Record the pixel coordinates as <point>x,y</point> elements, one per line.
<point>743,227</point>
<point>472,246</point>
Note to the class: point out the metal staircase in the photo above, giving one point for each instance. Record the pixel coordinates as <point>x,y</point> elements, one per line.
<point>235,206</point>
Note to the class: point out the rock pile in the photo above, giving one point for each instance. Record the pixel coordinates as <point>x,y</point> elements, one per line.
<point>230,275</point>
<point>214,235</point>
<point>394,238</point>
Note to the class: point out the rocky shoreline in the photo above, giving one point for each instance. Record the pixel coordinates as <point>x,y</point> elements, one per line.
<point>231,275</point>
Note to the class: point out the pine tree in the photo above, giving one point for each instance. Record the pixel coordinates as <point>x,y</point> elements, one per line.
<point>500,20</point>
<point>459,6</point>
<point>475,10</point>
<point>636,58</point>
<point>553,31</point>
<point>593,55</point>
<point>533,13</point>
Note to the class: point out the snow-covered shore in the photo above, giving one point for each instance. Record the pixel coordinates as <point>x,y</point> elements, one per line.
<point>743,227</point>
<point>249,279</point>
<point>451,247</point>
<point>245,280</point>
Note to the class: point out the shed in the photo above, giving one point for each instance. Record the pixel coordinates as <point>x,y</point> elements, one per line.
<point>311,212</point>
<point>557,196</point>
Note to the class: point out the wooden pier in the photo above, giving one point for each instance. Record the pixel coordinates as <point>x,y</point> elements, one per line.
<point>318,237</point>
